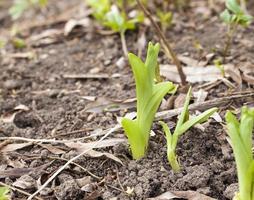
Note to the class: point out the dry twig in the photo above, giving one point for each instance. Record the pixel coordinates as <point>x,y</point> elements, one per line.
<point>165,43</point>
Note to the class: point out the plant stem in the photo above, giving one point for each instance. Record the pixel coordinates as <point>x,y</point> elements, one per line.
<point>166,44</point>
<point>230,35</point>
<point>172,159</point>
<point>123,41</point>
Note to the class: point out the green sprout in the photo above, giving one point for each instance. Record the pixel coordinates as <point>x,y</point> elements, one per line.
<point>233,16</point>
<point>184,123</point>
<point>100,8</point>
<point>240,133</point>
<point>149,96</point>
<point>20,6</point>
<point>111,17</point>
<point>3,193</point>
<point>166,19</point>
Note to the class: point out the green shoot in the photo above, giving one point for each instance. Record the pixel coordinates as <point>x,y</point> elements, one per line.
<point>149,96</point>
<point>20,6</point>
<point>220,66</point>
<point>100,8</point>
<point>118,22</point>
<point>183,124</point>
<point>233,16</point>
<point>3,193</point>
<point>165,18</point>
<point>111,17</point>
<point>240,133</point>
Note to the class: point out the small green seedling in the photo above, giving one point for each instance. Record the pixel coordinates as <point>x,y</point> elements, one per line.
<point>20,6</point>
<point>240,133</point>
<point>233,16</point>
<point>111,17</point>
<point>184,123</point>
<point>118,22</point>
<point>100,8</point>
<point>149,96</point>
<point>165,18</point>
<point>4,193</point>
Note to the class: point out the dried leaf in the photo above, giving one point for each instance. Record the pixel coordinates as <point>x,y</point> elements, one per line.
<point>96,154</point>
<point>17,172</point>
<point>52,149</point>
<point>72,23</point>
<point>189,195</point>
<point>80,147</point>
<point>104,104</point>
<point>25,182</point>
<point>197,74</point>
<point>10,116</point>
<point>14,147</point>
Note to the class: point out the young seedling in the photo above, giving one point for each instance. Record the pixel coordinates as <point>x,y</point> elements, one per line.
<point>165,18</point>
<point>20,6</point>
<point>240,133</point>
<point>149,96</point>
<point>110,16</point>
<point>233,16</point>
<point>118,22</point>
<point>184,123</point>
<point>3,193</point>
<point>100,8</point>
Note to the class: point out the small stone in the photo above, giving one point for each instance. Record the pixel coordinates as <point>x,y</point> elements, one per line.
<point>121,63</point>
<point>12,84</point>
<point>107,62</point>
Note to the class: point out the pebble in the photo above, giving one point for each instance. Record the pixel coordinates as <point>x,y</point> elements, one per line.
<point>12,84</point>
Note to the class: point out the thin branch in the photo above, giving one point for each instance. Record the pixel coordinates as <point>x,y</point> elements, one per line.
<point>166,44</point>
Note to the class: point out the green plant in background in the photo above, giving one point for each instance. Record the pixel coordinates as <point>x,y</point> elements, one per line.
<point>149,96</point>
<point>165,18</point>
<point>233,16</point>
<point>184,123</point>
<point>240,133</point>
<point>3,193</point>
<point>119,22</point>
<point>100,8</point>
<point>220,66</point>
<point>20,6</point>
<point>110,16</point>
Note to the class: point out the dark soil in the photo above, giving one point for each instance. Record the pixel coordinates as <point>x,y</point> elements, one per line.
<point>57,107</point>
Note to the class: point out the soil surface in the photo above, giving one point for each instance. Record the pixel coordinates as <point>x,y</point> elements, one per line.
<point>56,108</point>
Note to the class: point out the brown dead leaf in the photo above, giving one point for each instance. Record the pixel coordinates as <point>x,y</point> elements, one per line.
<point>9,117</point>
<point>102,104</point>
<point>96,154</point>
<point>80,147</point>
<point>72,23</point>
<point>14,147</point>
<point>25,182</point>
<point>188,195</point>
<point>17,172</point>
<point>52,149</point>
<point>197,74</point>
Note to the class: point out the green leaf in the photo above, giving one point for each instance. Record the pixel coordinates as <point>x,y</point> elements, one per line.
<point>100,8</point>
<point>18,43</point>
<point>149,96</point>
<point>183,124</point>
<point>233,6</point>
<point>3,193</point>
<point>18,8</point>
<point>241,141</point>
<point>226,16</point>
<point>196,120</point>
